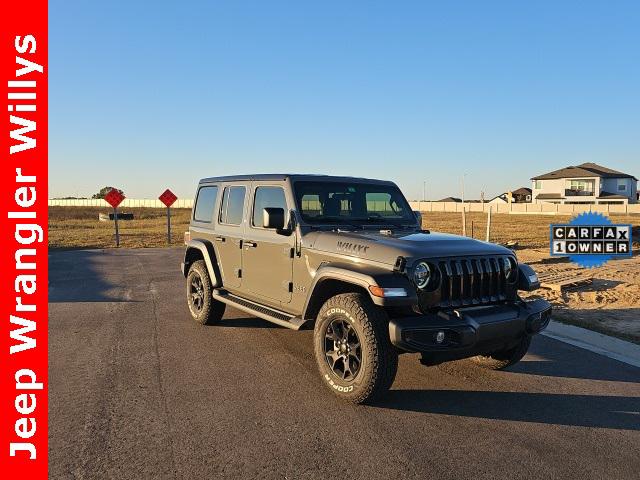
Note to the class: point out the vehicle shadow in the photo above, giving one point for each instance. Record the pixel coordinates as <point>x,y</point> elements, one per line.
<point>246,322</point>
<point>552,358</point>
<point>599,411</point>
<point>553,368</point>
<point>79,276</point>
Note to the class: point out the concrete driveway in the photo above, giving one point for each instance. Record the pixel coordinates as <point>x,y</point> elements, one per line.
<point>138,390</point>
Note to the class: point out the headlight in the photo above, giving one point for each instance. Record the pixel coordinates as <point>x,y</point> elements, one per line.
<point>509,269</point>
<point>422,274</point>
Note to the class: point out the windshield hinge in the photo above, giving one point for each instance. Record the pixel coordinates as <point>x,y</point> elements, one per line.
<point>400,264</point>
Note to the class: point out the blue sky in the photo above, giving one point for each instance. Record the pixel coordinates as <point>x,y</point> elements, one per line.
<point>150,95</point>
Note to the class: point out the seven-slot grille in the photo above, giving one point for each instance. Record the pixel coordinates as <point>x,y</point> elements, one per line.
<point>472,281</point>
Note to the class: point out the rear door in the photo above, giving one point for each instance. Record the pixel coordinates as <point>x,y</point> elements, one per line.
<point>229,233</point>
<point>267,256</point>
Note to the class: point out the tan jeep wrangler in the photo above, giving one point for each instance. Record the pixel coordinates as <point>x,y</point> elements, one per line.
<point>349,258</point>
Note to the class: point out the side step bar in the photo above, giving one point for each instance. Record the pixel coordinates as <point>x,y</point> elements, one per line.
<point>266,313</point>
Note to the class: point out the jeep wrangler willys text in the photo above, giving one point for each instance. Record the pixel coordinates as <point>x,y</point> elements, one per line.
<point>350,257</point>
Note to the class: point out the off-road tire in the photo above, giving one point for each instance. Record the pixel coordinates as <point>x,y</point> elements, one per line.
<point>207,310</point>
<point>379,358</point>
<point>504,358</point>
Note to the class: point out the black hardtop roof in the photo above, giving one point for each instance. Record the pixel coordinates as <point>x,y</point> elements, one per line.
<point>266,177</point>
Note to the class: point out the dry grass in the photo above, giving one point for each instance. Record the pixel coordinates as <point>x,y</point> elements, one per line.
<point>78,227</point>
<point>530,231</point>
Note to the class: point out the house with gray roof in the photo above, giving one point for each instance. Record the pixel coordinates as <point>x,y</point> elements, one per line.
<point>588,183</point>
<point>519,195</point>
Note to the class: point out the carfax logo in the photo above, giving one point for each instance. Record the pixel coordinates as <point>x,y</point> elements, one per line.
<point>590,240</point>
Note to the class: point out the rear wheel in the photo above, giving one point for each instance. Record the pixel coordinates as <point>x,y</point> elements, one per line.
<point>204,309</point>
<point>352,347</point>
<point>504,358</point>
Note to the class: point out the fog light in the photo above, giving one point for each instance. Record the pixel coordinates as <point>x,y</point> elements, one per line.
<point>440,337</point>
<point>538,321</point>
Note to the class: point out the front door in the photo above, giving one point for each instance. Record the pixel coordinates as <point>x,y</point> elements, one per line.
<point>267,256</point>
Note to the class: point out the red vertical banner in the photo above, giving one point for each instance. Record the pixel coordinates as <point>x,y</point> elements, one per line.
<point>23,236</point>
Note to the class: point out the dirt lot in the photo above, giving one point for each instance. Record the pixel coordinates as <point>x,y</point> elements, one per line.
<point>610,303</point>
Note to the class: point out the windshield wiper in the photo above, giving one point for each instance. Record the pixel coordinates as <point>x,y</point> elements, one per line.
<point>387,223</point>
<point>337,220</point>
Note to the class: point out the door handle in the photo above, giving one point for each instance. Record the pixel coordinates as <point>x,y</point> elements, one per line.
<point>220,239</point>
<point>249,244</point>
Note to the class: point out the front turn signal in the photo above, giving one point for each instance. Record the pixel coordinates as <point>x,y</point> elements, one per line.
<point>378,291</point>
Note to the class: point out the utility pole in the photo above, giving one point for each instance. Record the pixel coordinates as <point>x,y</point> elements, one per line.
<point>464,217</point>
<point>424,190</point>
<point>464,221</point>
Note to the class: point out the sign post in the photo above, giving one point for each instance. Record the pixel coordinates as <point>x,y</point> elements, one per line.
<point>115,198</point>
<point>168,198</point>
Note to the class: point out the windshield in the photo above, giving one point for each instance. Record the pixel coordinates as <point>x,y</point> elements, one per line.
<point>352,203</point>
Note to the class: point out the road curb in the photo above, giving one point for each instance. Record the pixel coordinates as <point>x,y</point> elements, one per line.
<point>611,347</point>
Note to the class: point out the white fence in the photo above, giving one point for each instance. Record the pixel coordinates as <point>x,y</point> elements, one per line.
<point>514,208</point>
<point>527,208</point>
<point>126,203</point>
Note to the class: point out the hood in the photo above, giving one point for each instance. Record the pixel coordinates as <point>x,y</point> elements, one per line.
<point>386,248</point>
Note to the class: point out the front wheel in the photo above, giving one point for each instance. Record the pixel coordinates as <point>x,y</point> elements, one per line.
<point>504,358</point>
<point>354,354</point>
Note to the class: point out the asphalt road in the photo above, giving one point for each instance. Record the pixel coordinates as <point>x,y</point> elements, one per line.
<point>138,390</point>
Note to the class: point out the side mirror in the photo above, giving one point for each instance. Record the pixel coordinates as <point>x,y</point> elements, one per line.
<point>273,217</point>
<point>418,217</point>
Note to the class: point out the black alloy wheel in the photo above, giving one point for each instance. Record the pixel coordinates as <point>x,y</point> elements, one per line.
<point>196,290</point>
<point>342,349</point>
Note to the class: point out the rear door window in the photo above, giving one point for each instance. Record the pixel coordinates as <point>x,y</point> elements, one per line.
<point>232,207</point>
<point>205,203</point>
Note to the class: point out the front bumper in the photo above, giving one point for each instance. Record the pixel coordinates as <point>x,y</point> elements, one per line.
<point>470,331</point>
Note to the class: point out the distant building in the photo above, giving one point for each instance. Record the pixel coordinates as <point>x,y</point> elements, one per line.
<point>450,199</point>
<point>586,183</point>
<point>520,195</point>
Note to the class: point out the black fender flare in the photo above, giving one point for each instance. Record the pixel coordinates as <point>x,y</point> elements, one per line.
<point>208,254</point>
<point>362,276</point>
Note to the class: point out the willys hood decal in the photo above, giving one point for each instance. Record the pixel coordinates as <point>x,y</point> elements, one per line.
<point>386,248</point>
